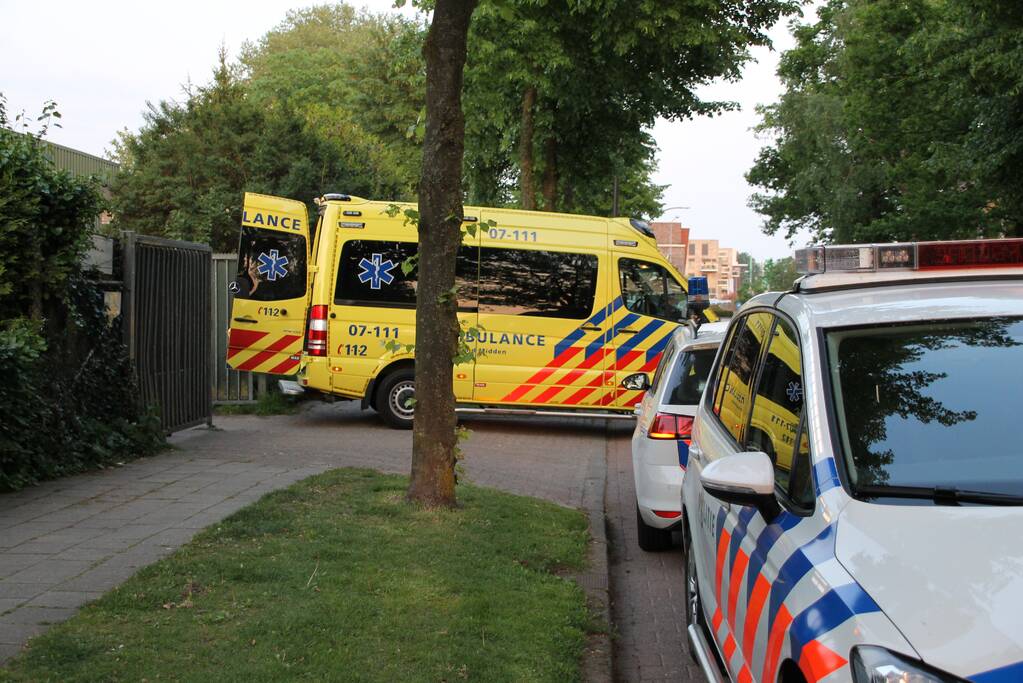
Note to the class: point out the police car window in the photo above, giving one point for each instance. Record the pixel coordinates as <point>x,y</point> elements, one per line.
<point>726,358</point>
<point>689,377</point>
<point>649,289</point>
<point>666,359</point>
<point>370,274</point>
<point>735,395</point>
<point>931,406</point>
<point>800,482</point>
<point>543,284</point>
<point>778,401</point>
<point>271,265</point>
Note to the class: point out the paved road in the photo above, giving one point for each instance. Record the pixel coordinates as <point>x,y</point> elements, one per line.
<point>66,542</point>
<point>647,592</point>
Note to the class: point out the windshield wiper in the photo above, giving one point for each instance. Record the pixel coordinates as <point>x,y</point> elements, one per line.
<point>942,495</point>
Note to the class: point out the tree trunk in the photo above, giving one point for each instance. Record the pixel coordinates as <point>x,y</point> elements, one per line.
<point>526,188</point>
<point>440,234</point>
<point>550,173</point>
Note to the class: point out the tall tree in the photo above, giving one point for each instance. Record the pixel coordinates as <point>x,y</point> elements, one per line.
<point>185,172</point>
<point>570,87</point>
<point>434,437</point>
<point>890,126</point>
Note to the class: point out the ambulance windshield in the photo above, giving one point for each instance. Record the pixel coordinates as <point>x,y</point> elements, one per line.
<point>931,406</point>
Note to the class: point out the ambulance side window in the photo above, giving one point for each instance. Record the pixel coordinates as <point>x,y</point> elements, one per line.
<point>271,265</point>
<point>649,289</point>
<point>543,284</point>
<point>370,273</point>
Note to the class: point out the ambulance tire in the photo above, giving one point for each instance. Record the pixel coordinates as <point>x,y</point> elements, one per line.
<point>651,539</point>
<point>694,606</point>
<point>392,394</point>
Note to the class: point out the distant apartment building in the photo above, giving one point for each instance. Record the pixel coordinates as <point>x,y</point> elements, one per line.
<point>720,265</point>
<point>672,240</point>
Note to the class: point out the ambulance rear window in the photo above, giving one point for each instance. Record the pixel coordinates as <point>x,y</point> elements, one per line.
<point>271,265</point>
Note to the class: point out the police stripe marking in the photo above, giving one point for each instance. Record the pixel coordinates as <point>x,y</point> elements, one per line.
<point>818,660</point>
<point>830,610</point>
<point>826,473</point>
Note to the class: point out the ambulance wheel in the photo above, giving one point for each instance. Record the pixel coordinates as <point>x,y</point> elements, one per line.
<point>694,607</point>
<point>394,398</point>
<point>651,539</point>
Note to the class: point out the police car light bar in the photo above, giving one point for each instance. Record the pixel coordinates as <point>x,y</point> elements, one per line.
<point>870,258</point>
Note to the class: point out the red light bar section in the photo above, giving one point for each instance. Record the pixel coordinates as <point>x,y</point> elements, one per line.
<point>972,254</point>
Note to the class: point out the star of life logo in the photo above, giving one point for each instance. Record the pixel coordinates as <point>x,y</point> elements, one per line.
<point>376,271</point>
<point>272,265</point>
<point>794,391</point>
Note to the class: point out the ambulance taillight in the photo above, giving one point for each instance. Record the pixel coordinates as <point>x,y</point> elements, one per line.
<point>316,334</point>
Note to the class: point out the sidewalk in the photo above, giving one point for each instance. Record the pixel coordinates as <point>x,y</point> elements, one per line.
<point>66,542</point>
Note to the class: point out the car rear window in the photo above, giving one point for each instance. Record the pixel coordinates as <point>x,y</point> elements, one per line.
<point>689,377</point>
<point>931,405</point>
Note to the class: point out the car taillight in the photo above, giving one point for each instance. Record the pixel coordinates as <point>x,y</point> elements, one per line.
<point>316,335</point>
<point>668,426</point>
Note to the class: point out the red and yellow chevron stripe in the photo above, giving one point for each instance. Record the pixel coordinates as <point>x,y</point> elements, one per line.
<point>582,374</point>
<point>263,352</point>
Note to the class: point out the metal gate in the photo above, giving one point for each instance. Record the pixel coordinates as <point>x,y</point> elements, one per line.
<point>166,304</point>
<point>229,385</point>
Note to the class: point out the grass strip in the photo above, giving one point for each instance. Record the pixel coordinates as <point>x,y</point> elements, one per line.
<point>338,578</point>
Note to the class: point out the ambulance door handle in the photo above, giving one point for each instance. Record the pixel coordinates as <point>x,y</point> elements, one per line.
<point>248,321</point>
<point>590,328</point>
<point>626,330</point>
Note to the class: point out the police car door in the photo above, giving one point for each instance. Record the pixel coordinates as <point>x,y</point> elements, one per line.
<point>718,524</point>
<point>270,288</point>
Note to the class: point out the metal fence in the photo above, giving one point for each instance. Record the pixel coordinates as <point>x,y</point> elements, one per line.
<point>229,385</point>
<point>166,305</point>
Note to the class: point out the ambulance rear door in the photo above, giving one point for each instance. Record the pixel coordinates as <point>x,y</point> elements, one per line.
<point>270,288</point>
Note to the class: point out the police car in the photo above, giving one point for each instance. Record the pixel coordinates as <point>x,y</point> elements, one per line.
<point>660,442</point>
<point>852,505</point>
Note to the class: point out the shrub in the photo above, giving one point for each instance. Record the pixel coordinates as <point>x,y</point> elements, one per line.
<point>68,398</point>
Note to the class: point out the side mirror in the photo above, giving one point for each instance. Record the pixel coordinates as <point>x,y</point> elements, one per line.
<point>636,382</point>
<point>743,479</point>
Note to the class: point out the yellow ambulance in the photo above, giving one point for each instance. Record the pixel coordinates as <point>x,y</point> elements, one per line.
<point>571,312</point>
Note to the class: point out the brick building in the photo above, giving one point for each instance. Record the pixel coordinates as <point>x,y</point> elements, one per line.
<point>672,240</point>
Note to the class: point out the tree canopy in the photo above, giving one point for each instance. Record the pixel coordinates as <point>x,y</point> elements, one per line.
<point>186,171</point>
<point>559,99</point>
<point>900,120</point>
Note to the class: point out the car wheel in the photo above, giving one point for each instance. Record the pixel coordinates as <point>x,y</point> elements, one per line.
<point>694,608</point>
<point>651,539</point>
<point>394,398</point>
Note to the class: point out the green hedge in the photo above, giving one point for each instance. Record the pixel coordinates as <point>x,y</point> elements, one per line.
<point>68,399</point>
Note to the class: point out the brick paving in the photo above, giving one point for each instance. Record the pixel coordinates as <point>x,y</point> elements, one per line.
<point>648,595</point>
<point>66,542</point>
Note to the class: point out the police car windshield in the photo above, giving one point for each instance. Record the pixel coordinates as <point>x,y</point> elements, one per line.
<point>930,405</point>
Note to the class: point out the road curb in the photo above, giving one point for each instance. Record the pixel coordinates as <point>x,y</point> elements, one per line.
<point>597,662</point>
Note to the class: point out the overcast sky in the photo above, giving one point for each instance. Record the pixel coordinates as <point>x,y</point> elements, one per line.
<point>101,61</point>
